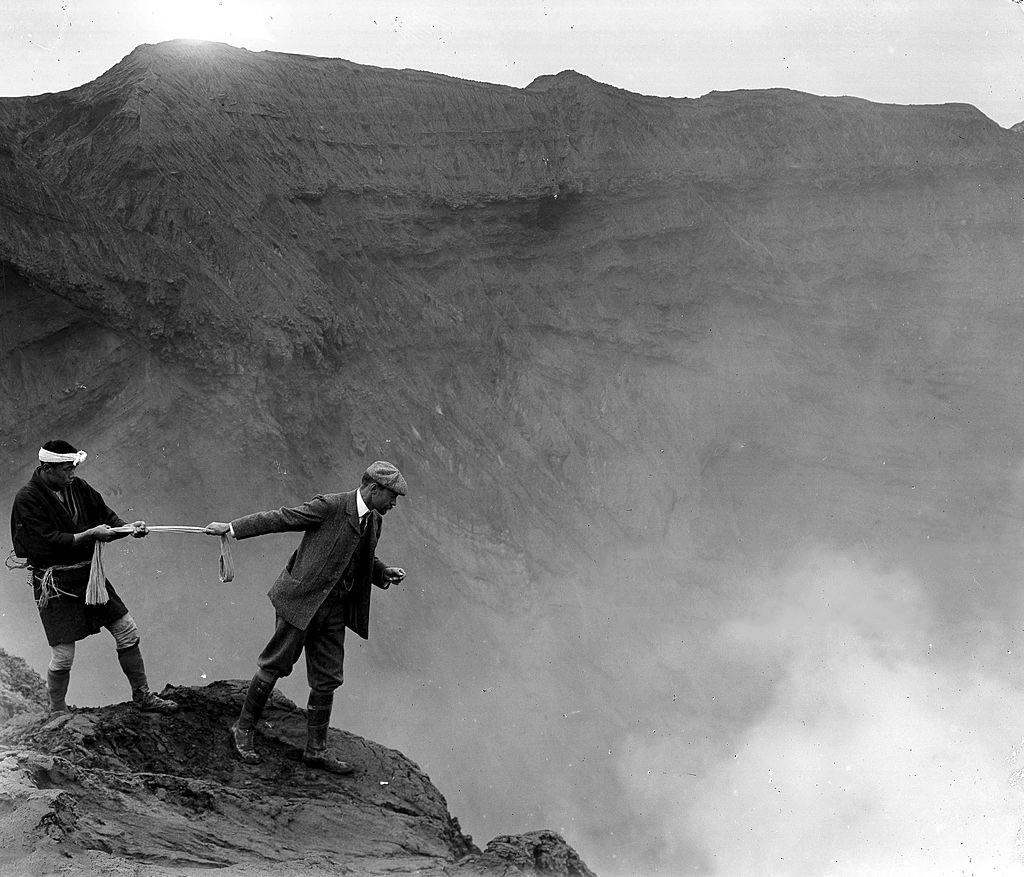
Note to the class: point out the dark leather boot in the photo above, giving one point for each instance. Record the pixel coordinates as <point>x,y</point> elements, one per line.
<point>243,730</point>
<point>147,702</point>
<point>318,719</point>
<point>57,689</point>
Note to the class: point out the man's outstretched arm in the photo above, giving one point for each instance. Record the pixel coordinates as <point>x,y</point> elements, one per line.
<point>303,517</point>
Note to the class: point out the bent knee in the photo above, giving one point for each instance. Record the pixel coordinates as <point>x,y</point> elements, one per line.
<point>62,656</point>
<point>267,676</point>
<point>125,632</point>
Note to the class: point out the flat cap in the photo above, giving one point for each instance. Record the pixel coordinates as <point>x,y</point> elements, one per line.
<point>387,475</point>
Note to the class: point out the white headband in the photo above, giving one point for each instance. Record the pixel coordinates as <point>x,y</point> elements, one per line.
<point>77,457</point>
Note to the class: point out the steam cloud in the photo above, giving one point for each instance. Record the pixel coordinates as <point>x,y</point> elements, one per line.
<point>879,746</point>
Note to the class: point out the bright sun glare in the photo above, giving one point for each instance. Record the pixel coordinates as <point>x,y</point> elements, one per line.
<point>229,21</point>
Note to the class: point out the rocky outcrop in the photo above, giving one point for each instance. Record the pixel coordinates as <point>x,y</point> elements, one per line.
<point>21,689</point>
<point>538,852</point>
<point>110,789</point>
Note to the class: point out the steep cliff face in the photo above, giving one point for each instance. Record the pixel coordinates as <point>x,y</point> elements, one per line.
<point>637,357</point>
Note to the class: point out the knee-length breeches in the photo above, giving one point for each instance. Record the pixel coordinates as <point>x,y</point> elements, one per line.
<point>323,640</point>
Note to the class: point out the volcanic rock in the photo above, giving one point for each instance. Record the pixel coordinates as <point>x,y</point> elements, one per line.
<point>109,789</point>
<point>21,688</point>
<point>540,852</point>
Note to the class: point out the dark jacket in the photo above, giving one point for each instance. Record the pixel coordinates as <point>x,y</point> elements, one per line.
<point>42,530</point>
<point>331,536</point>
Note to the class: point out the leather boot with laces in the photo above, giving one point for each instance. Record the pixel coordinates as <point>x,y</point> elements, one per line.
<point>134,669</point>
<point>147,702</point>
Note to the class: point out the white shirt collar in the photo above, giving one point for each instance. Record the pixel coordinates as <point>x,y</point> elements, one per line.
<point>361,507</point>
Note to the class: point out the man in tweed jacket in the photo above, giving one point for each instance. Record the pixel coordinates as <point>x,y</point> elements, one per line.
<point>324,588</point>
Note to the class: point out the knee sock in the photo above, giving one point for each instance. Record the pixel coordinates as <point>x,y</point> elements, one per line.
<point>134,667</point>
<point>57,688</point>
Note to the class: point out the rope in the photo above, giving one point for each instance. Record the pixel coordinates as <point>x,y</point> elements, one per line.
<point>226,567</point>
<point>96,592</point>
<point>48,588</point>
<point>12,561</point>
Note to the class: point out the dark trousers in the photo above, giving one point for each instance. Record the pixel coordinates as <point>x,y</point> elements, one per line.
<point>323,640</point>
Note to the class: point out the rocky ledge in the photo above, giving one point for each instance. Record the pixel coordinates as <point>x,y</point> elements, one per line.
<point>107,790</point>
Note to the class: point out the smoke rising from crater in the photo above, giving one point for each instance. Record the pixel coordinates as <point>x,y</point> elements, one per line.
<point>879,740</point>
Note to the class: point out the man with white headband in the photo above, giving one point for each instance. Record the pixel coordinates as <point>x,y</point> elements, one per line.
<point>56,519</point>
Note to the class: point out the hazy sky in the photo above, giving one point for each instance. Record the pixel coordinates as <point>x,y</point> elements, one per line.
<point>896,51</point>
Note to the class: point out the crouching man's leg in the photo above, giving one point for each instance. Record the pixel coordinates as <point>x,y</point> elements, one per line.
<point>325,658</point>
<point>58,676</point>
<point>129,656</point>
<point>275,661</point>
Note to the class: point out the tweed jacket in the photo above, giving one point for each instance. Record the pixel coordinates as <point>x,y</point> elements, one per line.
<point>330,526</point>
